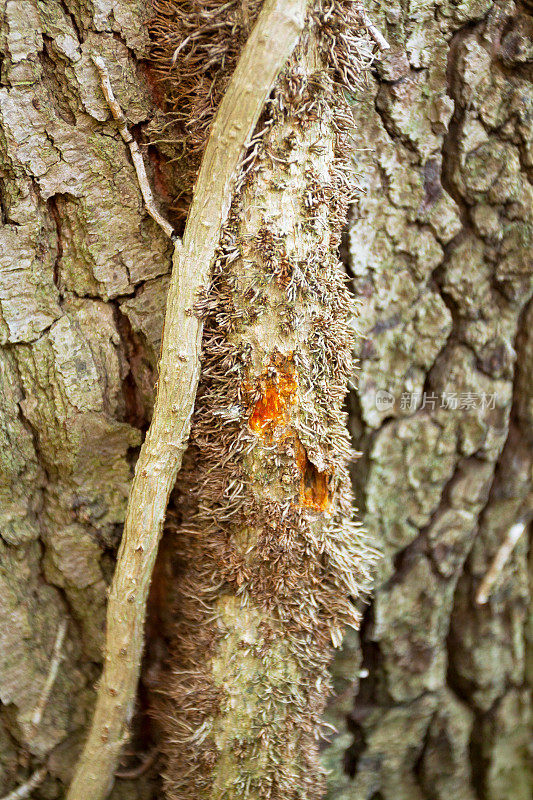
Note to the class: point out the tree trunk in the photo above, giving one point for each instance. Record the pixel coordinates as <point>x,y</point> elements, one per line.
<point>439,251</point>
<point>82,286</point>
<point>270,559</point>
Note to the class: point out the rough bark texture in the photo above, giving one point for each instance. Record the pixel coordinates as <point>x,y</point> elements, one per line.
<point>440,253</point>
<point>440,259</point>
<point>81,269</point>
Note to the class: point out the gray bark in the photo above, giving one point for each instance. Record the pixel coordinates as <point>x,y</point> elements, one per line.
<point>82,277</point>
<point>440,253</point>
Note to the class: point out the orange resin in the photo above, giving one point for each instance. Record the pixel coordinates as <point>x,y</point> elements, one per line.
<point>315,489</point>
<point>272,408</point>
<point>271,412</point>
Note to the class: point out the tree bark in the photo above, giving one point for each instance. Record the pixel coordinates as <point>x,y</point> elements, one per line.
<point>439,253</point>
<point>82,280</point>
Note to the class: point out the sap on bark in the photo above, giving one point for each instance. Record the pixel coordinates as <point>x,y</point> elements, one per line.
<point>315,486</point>
<point>277,393</point>
<point>273,397</point>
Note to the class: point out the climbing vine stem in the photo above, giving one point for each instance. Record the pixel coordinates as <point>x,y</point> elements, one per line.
<point>271,42</point>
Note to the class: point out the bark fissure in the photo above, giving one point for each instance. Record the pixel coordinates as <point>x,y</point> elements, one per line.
<point>464,490</point>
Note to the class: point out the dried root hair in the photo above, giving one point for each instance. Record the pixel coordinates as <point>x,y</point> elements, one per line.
<point>195,48</point>
<point>269,559</point>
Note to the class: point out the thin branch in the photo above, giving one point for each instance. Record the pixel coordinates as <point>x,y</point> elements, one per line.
<point>374,32</point>
<point>500,559</point>
<point>270,44</point>
<point>57,658</point>
<point>136,155</point>
<point>28,786</point>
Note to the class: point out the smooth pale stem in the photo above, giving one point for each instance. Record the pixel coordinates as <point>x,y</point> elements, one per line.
<point>52,673</point>
<point>135,152</point>
<point>499,561</point>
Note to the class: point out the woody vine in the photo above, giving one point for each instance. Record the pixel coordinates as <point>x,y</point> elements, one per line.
<point>270,559</point>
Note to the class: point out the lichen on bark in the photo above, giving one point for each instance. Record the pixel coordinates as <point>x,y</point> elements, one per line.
<point>440,253</point>
<point>74,240</point>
